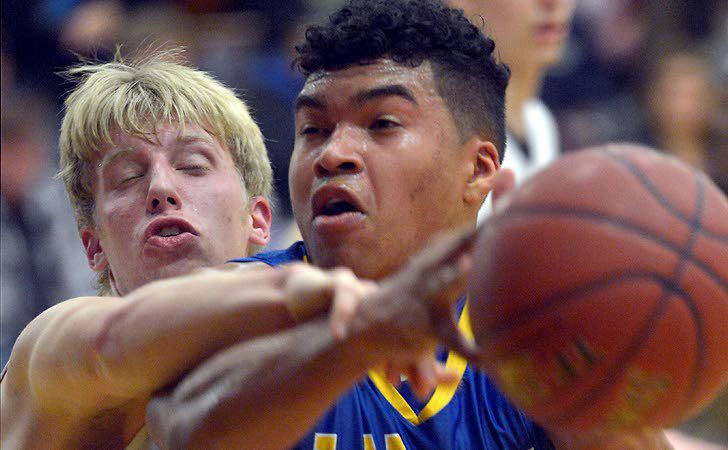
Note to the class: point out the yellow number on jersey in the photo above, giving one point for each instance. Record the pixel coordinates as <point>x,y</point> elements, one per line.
<point>324,441</point>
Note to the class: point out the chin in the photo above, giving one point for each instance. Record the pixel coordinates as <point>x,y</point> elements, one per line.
<point>180,268</point>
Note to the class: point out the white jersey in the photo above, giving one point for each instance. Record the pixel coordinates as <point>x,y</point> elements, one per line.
<point>542,138</point>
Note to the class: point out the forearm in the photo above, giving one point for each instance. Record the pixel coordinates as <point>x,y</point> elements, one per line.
<point>165,328</point>
<point>245,396</point>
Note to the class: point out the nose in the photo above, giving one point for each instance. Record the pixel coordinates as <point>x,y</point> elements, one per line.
<point>341,154</point>
<point>162,194</point>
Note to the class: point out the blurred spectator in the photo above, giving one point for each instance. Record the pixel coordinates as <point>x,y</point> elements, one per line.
<point>529,36</point>
<point>41,261</point>
<point>595,90</point>
<point>263,73</point>
<point>591,91</point>
<point>681,99</point>
<point>91,26</point>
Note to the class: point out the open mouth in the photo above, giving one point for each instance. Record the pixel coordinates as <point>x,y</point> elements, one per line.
<point>333,201</point>
<point>169,227</point>
<point>336,207</point>
<point>169,231</point>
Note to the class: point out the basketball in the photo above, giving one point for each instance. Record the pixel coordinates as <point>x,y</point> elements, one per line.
<point>599,291</point>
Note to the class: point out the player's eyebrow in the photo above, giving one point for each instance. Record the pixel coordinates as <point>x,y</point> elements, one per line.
<point>308,101</point>
<point>195,137</point>
<point>396,90</point>
<point>111,157</point>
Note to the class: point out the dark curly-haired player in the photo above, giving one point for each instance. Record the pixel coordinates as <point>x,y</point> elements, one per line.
<point>398,131</point>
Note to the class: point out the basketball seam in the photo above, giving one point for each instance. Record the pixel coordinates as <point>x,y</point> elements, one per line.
<point>617,368</point>
<point>695,228</point>
<point>671,289</point>
<point>664,201</point>
<point>561,211</point>
<point>686,253</point>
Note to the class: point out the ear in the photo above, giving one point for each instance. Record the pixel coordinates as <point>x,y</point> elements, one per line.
<point>261,216</point>
<point>94,253</point>
<point>482,166</point>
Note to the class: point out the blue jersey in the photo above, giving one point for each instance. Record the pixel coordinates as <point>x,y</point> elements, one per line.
<point>470,414</point>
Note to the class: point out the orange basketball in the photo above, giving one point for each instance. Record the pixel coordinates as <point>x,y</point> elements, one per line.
<point>599,291</point>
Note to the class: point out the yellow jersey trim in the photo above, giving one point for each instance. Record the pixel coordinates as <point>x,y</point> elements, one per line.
<point>443,393</point>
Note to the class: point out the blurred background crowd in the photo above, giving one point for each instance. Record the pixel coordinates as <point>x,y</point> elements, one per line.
<point>649,71</point>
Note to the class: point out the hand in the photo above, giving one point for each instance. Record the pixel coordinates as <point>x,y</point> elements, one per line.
<point>311,291</point>
<point>504,182</point>
<point>413,310</point>
<point>423,374</point>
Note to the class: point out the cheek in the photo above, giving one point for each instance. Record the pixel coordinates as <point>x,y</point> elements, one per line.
<point>116,215</point>
<point>300,175</point>
<point>568,7</point>
<point>228,202</point>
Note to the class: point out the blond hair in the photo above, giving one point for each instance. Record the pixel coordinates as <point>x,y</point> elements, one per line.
<point>132,96</point>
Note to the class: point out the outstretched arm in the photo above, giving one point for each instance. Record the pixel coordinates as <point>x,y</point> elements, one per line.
<point>245,395</point>
<point>97,352</point>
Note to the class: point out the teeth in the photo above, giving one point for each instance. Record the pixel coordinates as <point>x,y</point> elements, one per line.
<point>169,231</point>
<point>335,207</point>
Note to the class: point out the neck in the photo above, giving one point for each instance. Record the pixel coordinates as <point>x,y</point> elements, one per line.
<point>524,85</point>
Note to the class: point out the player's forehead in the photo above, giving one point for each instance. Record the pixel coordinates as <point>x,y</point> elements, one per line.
<point>353,82</point>
<point>161,134</point>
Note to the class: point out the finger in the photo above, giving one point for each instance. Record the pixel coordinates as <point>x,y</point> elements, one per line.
<point>448,280</point>
<point>393,372</point>
<point>450,336</point>
<point>348,291</point>
<point>443,375</point>
<point>422,378</point>
<point>503,183</point>
<point>342,312</point>
<point>445,247</point>
<point>308,292</point>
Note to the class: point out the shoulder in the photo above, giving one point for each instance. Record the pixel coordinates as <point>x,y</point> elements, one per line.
<point>31,399</point>
<point>296,252</point>
<point>33,364</point>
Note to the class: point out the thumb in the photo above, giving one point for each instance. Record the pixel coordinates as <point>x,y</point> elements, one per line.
<point>503,183</point>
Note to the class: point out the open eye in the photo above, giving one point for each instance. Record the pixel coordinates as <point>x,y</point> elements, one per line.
<point>311,130</point>
<point>384,123</point>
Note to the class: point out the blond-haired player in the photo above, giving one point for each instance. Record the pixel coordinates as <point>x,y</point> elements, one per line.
<point>167,173</point>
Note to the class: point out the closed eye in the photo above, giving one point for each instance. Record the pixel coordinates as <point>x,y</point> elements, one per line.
<point>132,177</point>
<point>194,169</point>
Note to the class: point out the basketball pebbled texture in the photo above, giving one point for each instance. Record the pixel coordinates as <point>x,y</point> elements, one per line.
<point>599,291</point>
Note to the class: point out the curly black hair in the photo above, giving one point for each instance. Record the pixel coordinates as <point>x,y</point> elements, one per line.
<point>409,32</point>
